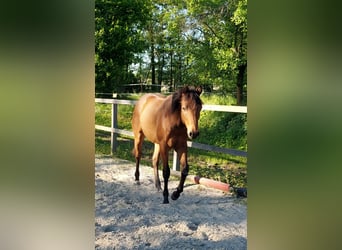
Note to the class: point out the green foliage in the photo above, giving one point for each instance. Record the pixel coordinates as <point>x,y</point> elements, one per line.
<point>220,128</point>
<point>217,98</point>
<point>102,143</point>
<point>223,129</point>
<point>125,113</point>
<point>223,25</point>
<point>118,37</point>
<point>103,114</point>
<point>178,42</point>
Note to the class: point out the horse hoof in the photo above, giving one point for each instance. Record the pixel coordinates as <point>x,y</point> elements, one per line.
<point>165,201</point>
<point>137,182</point>
<point>175,195</point>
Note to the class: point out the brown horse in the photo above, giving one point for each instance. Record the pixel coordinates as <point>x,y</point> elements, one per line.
<point>167,122</point>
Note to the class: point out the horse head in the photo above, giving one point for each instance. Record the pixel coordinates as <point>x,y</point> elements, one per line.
<point>188,103</point>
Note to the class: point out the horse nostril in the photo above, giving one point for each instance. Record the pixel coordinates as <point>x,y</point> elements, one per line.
<point>193,134</point>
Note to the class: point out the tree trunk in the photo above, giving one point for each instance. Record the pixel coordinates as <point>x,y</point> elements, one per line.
<point>171,73</point>
<point>180,80</point>
<point>239,84</point>
<point>153,67</point>
<point>160,71</point>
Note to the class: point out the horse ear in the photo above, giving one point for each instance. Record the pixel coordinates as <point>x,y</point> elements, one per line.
<point>199,90</point>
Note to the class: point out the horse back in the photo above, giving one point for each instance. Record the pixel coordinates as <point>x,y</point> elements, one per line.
<point>148,104</point>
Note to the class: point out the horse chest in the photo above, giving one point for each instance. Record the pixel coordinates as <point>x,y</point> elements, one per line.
<point>177,136</point>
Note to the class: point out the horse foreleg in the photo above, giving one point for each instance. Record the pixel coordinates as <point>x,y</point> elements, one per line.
<point>137,174</point>
<point>166,173</point>
<point>184,172</point>
<point>155,162</point>
<point>138,140</point>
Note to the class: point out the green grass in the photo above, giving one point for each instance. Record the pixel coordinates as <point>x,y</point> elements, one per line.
<point>217,99</point>
<point>216,128</point>
<point>102,143</point>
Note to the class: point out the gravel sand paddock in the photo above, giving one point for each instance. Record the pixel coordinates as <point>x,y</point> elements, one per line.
<point>131,216</point>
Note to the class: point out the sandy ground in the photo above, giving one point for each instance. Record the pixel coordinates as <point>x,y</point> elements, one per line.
<point>131,216</point>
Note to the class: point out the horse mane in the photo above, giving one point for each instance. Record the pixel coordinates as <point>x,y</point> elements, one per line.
<point>191,92</point>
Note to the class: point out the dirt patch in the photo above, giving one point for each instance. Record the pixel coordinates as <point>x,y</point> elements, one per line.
<point>131,216</point>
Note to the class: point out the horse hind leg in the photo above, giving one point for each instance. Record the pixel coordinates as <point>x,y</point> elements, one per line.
<point>155,163</point>
<point>138,140</point>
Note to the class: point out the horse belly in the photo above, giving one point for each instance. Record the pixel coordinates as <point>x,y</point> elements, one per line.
<point>149,130</point>
<point>148,123</point>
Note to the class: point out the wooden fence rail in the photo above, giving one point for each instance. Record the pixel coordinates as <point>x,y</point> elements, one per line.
<point>175,165</point>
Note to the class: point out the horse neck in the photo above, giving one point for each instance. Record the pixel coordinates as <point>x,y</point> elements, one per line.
<point>173,117</point>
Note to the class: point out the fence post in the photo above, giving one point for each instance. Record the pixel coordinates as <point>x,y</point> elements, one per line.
<point>175,161</point>
<point>113,139</point>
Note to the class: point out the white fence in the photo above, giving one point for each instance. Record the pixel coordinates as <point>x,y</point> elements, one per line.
<point>175,165</point>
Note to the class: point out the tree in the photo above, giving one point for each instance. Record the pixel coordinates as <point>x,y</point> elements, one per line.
<point>118,38</point>
<point>166,43</point>
<point>174,42</point>
<point>223,25</point>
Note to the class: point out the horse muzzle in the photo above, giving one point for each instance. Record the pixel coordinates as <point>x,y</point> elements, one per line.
<point>193,134</point>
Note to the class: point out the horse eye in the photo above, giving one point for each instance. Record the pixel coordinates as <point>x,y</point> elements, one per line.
<point>184,108</point>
